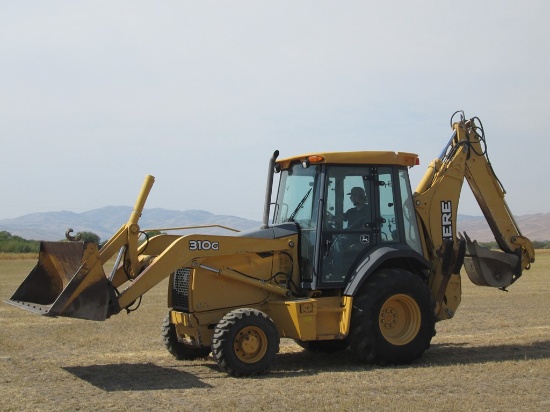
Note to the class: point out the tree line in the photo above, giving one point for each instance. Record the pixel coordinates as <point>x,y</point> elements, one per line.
<point>15,244</point>
<point>537,244</point>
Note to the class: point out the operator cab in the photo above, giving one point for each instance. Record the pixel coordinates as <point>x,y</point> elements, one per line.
<point>344,211</point>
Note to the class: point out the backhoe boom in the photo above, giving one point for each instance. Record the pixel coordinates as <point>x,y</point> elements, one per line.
<point>436,201</point>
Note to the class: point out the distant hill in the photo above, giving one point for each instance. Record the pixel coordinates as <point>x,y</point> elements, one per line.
<point>534,227</point>
<point>106,221</point>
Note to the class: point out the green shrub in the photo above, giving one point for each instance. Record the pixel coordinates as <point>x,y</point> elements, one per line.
<point>16,244</point>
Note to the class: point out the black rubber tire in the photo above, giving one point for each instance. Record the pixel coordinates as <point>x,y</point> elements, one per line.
<point>180,350</point>
<point>245,342</point>
<point>324,346</point>
<point>370,330</point>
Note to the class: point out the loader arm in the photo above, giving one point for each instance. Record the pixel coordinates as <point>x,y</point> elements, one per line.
<point>181,253</point>
<point>436,202</point>
<point>69,278</point>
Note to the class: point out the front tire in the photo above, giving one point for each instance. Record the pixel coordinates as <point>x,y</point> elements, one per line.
<point>177,349</point>
<point>245,342</point>
<point>393,319</point>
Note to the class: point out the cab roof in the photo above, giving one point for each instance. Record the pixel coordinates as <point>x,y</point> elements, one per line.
<point>355,158</point>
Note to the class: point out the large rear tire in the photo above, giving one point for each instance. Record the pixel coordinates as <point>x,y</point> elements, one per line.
<point>180,350</point>
<point>393,319</point>
<point>245,342</point>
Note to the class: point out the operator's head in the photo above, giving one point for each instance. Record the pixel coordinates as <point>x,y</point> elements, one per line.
<point>357,195</point>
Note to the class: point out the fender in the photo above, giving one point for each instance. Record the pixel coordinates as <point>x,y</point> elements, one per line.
<point>404,256</point>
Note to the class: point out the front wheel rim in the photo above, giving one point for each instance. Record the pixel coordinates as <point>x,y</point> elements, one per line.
<point>250,344</point>
<point>400,319</point>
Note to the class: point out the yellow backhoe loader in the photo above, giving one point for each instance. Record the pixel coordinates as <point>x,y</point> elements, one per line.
<point>347,256</point>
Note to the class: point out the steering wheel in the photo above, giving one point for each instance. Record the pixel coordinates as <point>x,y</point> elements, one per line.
<point>358,224</point>
<point>330,220</point>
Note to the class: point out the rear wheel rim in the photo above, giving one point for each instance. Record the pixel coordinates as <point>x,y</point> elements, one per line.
<point>400,319</point>
<point>250,344</point>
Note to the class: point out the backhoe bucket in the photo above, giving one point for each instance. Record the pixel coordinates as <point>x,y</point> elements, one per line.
<point>68,280</point>
<point>486,267</point>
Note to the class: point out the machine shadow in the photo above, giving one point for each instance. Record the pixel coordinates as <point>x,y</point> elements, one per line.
<point>148,376</point>
<point>307,363</point>
<point>135,377</point>
<point>464,354</point>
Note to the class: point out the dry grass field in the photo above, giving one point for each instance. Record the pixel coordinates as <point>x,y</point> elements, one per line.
<point>493,356</point>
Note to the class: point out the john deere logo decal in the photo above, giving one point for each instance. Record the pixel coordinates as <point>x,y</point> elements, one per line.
<point>446,220</point>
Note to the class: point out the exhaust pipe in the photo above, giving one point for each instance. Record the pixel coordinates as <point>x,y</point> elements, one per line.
<point>268,189</point>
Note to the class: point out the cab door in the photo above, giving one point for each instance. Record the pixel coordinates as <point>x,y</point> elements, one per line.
<point>349,226</point>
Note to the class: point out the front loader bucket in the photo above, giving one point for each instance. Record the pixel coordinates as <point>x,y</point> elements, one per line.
<point>486,267</point>
<point>68,280</point>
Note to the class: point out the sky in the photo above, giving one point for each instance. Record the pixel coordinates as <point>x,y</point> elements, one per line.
<point>94,95</point>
